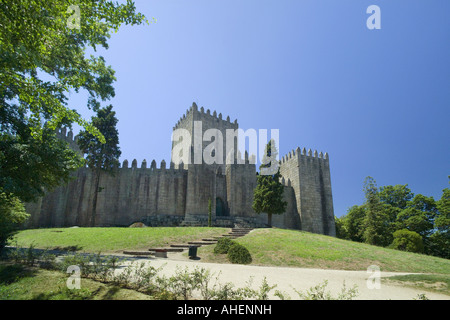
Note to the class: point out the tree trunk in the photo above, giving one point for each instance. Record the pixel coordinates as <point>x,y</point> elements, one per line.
<point>94,201</point>
<point>269,220</point>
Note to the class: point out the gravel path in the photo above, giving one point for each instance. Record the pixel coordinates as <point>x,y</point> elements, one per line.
<point>299,278</point>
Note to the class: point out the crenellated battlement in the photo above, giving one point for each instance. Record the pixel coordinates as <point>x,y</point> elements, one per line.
<point>63,134</point>
<point>153,168</point>
<point>286,182</point>
<point>67,136</point>
<point>303,154</point>
<point>196,114</point>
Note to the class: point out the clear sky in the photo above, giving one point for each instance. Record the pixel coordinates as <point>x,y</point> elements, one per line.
<point>378,101</point>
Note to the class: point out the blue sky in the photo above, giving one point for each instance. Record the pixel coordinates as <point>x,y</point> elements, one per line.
<point>378,101</point>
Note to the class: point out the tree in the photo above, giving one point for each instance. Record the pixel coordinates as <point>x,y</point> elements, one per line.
<point>375,223</point>
<point>394,208</point>
<point>396,196</point>
<point>268,194</point>
<point>101,157</point>
<point>352,223</point>
<point>29,167</point>
<point>438,244</point>
<point>406,240</point>
<point>42,60</point>
<point>442,220</point>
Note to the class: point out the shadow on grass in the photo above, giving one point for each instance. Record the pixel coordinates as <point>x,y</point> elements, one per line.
<point>67,294</point>
<point>10,273</point>
<point>68,248</point>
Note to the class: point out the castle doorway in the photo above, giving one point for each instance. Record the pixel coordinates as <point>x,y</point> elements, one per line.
<point>220,208</point>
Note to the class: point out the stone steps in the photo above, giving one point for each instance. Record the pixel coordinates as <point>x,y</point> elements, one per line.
<point>185,246</point>
<point>180,247</point>
<point>172,249</point>
<point>201,243</point>
<point>138,253</point>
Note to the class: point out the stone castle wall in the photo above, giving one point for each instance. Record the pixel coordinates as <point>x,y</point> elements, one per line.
<point>179,194</point>
<point>132,195</point>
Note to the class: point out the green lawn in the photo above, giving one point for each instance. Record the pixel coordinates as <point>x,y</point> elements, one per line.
<point>439,283</point>
<point>289,248</point>
<point>18,282</point>
<point>274,247</point>
<point>109,240</point>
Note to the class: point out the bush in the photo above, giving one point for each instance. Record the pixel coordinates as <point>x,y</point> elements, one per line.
<point>223,245</point>
<point>239,254</point>
<point>12,214</point>
<point>406,240</point>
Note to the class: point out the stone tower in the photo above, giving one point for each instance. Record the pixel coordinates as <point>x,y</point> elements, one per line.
<point>309,176</point>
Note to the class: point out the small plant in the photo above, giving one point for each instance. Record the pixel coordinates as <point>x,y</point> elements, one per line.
<point>421,296</point>
<point>318,293</point>
<point>223,245</point>
<point>264,289</point>
<point>239,254</point>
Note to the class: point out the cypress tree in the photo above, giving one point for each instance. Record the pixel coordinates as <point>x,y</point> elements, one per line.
<point>268,194</point>
<point>101,157</point>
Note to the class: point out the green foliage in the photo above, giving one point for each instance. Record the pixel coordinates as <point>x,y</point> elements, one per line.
<point>396,196</point>
<point>319,293</point>
<point>102,156</point>
<point>442,220</point>
<point>268,194</point>
<point>374,223</point>
<point>223,245</point>
<point>239,254</point>
<point>352,224</point>
<point>29,166</point>
<point>406,240</point>
<point>418,215</point>
<point>12,214</point>
<point>438,244</point>
<point>393,208</point>
<point>37,41</point>
<point>42,61</point>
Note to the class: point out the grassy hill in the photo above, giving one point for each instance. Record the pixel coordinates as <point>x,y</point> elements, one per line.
<point>290,248</point>
<point>274,247</point>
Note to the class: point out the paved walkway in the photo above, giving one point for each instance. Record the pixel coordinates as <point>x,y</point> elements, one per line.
<point>299,278</point>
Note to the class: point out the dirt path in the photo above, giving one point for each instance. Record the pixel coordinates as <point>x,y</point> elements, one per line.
<point>299,278</point>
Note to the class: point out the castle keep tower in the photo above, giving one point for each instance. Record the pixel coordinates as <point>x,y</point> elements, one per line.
<point>228,185</point>
<point>179,194</point>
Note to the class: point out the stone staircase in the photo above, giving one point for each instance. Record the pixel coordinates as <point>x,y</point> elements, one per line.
<point>180,247</point>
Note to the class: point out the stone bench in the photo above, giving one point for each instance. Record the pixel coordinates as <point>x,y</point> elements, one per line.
<point>160,253</point>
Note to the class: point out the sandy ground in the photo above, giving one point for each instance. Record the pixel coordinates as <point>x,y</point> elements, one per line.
<point>301,279</point>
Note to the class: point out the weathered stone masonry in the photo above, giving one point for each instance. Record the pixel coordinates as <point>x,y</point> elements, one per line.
<point>179,195</point>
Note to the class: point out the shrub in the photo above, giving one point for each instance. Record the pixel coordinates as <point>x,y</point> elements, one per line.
<point>319,293</point>
<point>406,240</point>
<point>223,245</point>
<point>12,214</point>
<point>239,254</point>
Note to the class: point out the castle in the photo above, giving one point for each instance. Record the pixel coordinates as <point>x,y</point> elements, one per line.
<point>179,195</point>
